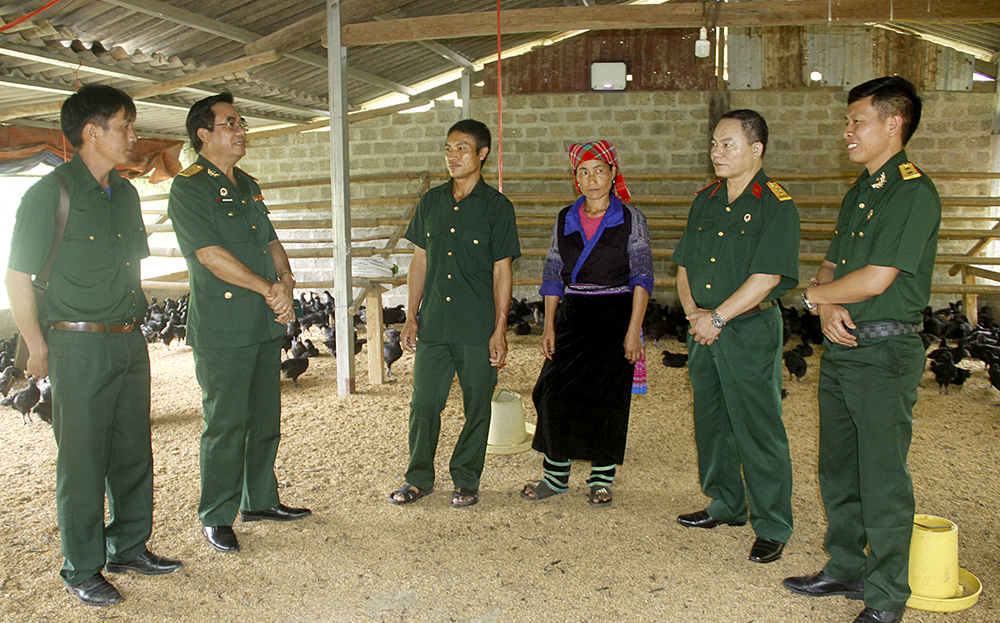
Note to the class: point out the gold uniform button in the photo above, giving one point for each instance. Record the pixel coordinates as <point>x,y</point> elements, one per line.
<point>128,263</point>
<point>119,235</point>
<point>452,230</point>
<point>449,252</point>
<point>743,231</point>
<point>708,286</point>
<point>228,295</point>
<point>428,234</point>
<point>836,231</point>
<point>728,209</point>
<point>843,261</point>
<point>244,201</point>
<point>862,234</point>
<point>253,227</point>
<point>447,298</point>
<point>456,208</point>
<point>475,241</point>
<point>721,234</point>
<point>91,237</point>
<point>861,205</point>
<point>712,259</point>
<point>852,234</point>
<point>699,229</point>
<point>230,213</point>
<point>449,276</point>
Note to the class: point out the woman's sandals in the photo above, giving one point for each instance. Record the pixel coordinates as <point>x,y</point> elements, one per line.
<point>471,496</point>
<point>540,489</point>
<point>601,495</point>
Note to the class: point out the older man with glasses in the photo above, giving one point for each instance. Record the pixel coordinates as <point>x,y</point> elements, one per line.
<point>241,299</point>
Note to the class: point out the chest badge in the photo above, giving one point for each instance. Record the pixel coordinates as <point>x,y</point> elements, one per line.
<point>258,197</point>
<point>880,182</point>
<point>746,218</point>
<point>223,191</point>
<point>870,212</point>
<point>212,173</point>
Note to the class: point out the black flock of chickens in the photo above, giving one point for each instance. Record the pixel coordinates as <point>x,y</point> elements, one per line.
<point>166,322</point>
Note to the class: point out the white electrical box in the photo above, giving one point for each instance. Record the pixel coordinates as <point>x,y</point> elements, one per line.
<point>608,76</point>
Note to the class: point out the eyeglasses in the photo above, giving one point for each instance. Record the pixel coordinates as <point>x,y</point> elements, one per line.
<point>235,125</point>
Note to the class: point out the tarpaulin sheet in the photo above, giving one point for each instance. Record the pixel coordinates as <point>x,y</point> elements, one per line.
<point>22,148</point>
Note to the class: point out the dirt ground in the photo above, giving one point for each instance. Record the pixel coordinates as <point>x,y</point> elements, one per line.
<point>359,558</point>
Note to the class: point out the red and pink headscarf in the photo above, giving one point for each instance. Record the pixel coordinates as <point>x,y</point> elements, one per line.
<point>605,152</point>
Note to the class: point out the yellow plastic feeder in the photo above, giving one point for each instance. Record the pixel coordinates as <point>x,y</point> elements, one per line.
<point>937,583</point>
<point>509,434</point>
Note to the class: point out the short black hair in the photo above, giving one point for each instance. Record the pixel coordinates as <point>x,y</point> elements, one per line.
<point>754,126</point>
<point>93,103</point>
<point>201,116</point>
<point>478,131</point>
<point>892,95</point>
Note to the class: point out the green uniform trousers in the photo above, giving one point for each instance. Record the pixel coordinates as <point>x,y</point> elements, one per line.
<point>736,384</point>
<point>434,367</point>
<point>241,400</point>
<point>866,398</point>
<point>100,418</point>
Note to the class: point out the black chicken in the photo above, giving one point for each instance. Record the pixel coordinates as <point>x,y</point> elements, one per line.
<point>23,400</point>
<point>795,363</point>
<point>944,371</point>
<point>294,367</point>
<point>674,360</point>
<point>391,350</point>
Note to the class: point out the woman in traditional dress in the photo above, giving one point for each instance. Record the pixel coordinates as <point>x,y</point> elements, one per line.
<point>596,282</point>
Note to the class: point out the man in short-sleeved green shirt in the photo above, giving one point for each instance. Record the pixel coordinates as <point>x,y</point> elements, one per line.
<point>869,294</point>
<point>460,279</point>
<point>241,299</point>
<point>739,252</point>
<point>86,340</point>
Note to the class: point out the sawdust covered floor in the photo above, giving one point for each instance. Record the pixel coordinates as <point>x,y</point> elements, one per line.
<point>359,558</point>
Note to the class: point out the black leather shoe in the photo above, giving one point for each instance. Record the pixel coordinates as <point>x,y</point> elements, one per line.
<point>821,585</point>
<point>766,550</point>
<point>95,591</point>
<point>702,519</point>
<point>871,615</point>
<point>221,538</point>
<point>277,513</point>
<point>146,563</point>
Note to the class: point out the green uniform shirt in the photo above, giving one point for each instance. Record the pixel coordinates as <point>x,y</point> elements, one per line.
<point>462,241</point>
<point>886,220</point>
<point>95,277</point>
<point>724,243</point>
<point>207,209</point>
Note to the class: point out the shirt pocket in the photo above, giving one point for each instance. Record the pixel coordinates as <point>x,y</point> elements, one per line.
<point>230,223</point>
<point>701,234</point>
<point>475,248</point>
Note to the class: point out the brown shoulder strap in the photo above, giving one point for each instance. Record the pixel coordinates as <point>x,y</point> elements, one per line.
<point>62,215</point>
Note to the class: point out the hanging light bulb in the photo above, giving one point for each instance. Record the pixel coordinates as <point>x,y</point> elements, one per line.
<point>702,46</point>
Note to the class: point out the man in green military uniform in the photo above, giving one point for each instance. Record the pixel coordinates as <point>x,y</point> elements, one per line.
<point>241,298</point>
<point>738,254</point>
<point>85,338</point>
<point>460,279</point>
<point>869,294</point>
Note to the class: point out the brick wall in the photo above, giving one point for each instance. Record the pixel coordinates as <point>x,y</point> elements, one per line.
<point>654,132</point>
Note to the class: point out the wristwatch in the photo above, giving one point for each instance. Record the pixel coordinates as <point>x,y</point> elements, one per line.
<point>806,303</point>
<point>717,321</point>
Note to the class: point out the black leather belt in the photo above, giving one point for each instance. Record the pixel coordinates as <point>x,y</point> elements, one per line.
<point>889,328</point>
<point>96,327</point>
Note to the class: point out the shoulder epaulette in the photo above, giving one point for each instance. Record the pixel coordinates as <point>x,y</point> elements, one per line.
<point>909,171</point>
<point>707,185</point>
<point>245,173</point>
<point>191,170</point>
<point>778,191</point>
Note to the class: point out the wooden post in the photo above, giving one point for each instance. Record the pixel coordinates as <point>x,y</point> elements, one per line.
<point>373,305</point>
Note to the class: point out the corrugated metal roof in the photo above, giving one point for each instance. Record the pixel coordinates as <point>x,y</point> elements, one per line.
<point>133,43</point>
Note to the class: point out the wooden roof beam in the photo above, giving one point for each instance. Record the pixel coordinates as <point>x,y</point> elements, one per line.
<point>670,15</point>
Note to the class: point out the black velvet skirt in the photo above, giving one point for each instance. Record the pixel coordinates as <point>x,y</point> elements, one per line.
<point>584,392</point>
